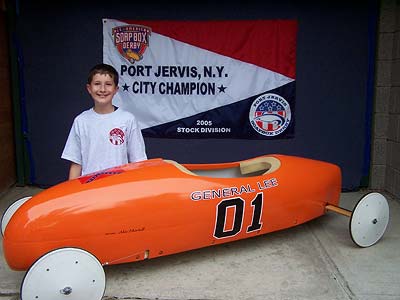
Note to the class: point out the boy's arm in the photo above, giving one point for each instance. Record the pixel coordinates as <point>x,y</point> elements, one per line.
<point>136,146</point>
<point>75,171</point>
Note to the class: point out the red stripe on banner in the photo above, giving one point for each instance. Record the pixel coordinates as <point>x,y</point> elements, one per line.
<point>270,44</point>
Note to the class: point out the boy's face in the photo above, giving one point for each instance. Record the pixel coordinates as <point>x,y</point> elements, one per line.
<point>102,89</point>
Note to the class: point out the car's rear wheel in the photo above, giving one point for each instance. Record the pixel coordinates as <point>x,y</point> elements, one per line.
<point>369,219</point>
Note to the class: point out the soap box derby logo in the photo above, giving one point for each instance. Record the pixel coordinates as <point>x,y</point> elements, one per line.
<point>270,114</point>
<point>131,41</point>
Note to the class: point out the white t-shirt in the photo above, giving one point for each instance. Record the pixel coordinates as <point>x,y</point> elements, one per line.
<point>101,141</point>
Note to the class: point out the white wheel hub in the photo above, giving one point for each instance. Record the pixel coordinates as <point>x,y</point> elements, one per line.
<point>10,211</point>
<point>369,219</point>
<point>68,274</point>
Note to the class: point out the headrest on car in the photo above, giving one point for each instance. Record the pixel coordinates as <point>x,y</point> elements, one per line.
<point>267,164</point>
<point>179,166</point>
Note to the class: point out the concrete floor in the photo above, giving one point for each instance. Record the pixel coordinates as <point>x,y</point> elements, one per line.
<point>314,261</point>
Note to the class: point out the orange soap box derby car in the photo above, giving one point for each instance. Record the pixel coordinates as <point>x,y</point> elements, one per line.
<point>66,234</point>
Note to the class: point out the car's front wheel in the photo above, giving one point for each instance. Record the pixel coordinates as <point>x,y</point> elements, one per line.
<point>66,273</point>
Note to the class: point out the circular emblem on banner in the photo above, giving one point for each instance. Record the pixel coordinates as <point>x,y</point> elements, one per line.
<point>117,136</point>
<point>270,114</point>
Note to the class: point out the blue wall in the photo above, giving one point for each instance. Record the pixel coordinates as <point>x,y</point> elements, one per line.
<point>61,42</point>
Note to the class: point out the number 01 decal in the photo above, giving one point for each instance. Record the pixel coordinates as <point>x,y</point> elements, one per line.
<point>238,205</point>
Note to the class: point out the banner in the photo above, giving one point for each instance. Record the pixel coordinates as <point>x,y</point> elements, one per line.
<point>205,79</point>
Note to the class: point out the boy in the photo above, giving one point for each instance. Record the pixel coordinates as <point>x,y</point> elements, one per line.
<point>104,136</point>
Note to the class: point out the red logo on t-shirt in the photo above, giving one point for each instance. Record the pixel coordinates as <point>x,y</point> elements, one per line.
<point>117,136</point>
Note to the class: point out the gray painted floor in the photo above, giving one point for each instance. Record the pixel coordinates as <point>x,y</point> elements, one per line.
<point>316,261</point>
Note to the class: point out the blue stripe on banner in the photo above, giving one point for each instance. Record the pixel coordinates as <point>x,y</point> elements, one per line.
<point>222,122</point>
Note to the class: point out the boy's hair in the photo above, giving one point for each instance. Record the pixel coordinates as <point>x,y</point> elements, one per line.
<point>103,69</point>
